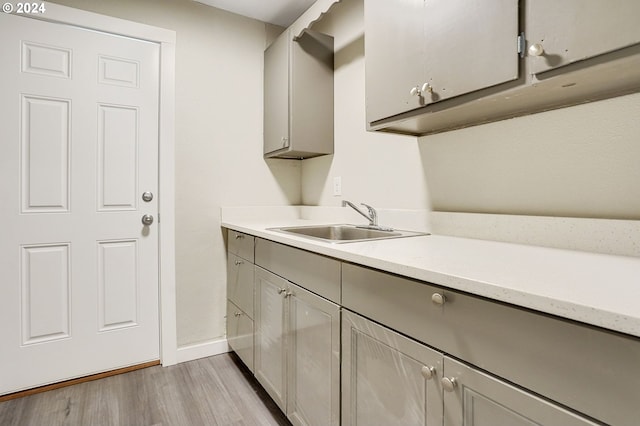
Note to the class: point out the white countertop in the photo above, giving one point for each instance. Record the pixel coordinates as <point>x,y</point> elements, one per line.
<point>597,289</point>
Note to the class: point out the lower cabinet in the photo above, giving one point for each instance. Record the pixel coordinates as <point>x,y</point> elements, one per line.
<point>297,350</point>
<point>389,379</point>
<point>240,333</point>
<point>473,398</point>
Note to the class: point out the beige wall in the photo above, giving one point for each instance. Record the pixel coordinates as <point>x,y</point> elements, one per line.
<point>581,161</point>
<point>218,144</point>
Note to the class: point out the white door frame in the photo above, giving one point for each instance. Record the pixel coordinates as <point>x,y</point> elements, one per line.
<point>166,164</point>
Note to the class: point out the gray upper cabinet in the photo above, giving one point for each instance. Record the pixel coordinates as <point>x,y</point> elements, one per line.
<point>419,52</point>
<point>439,65</point>
<point>298,96</point>
<point>567,31</point>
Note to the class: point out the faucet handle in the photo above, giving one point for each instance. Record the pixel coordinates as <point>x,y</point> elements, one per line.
<point>373,215</point>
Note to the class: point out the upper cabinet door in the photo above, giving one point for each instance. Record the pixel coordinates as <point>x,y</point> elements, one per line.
<point>418,52</point>
<point>276,95</point>
<point>394,52</point>
<point>470,45</point>
<point>573,30</point>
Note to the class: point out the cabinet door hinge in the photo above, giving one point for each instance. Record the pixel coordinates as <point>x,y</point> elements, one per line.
<point>521,44</point>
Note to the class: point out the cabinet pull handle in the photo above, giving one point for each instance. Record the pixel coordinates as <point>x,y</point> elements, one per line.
<point>238,262</point>
<point>449,384</point>
<point>428,372</point>
<point>438,298</point>
<point>536,49</point>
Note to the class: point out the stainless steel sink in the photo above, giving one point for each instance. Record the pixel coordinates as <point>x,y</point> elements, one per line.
<point>344,233</point>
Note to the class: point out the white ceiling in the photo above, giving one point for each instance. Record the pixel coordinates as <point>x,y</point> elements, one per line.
<point>278,12</point>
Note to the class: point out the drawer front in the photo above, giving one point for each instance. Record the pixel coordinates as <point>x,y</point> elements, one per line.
<point>240,334</point>
<point>240,283</point>
<point>241,244</point>
<point>399,303</point>
<point>316,273</point>
<point>590,370</point>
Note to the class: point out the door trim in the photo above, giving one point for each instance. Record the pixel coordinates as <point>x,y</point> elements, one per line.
<point>166,39</point>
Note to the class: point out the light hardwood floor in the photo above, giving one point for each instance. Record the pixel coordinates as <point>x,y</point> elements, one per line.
<point>210,391</point>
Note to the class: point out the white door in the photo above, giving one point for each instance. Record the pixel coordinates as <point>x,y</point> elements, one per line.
<point>78,147</point>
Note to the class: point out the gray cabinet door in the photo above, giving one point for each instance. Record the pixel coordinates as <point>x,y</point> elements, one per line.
<point>470,45</point>
<point>387,379</point>
<point>240,334</point>
<point>276,94</point>
<point>453,46</point>
<point>240,283</point>
<point>573,30</point>
<point>477,399</point>
<point>313,392</point>
<point>394,56</point>
<point>270,338</point>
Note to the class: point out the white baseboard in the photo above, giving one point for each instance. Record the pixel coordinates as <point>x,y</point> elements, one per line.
<point>202,350</point>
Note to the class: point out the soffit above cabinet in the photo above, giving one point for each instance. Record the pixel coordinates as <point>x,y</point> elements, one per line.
<point>284,13</point>
<point>277,12</point>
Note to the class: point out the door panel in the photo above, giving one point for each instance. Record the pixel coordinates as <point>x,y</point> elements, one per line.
<point>394,52</point>
<point>79,269</point>
<point>46,293</point>
<point>481,400</point>
<point>117,157</point>
<point>240,334</point>
<point>45,151</point>
<point>313,394</point>
<point>270,339</point>
<point>470,45</point>
<point>383,377</point>
<point>573,30</point>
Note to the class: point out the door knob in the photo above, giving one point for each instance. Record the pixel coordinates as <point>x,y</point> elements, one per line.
<point>428,371</point>
<point>438,298</point>
<point>147,219</point>
<point>449,384</point>
<point>147,196</point>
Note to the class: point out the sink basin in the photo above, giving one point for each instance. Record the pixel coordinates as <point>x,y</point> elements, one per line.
<point>344,233</point>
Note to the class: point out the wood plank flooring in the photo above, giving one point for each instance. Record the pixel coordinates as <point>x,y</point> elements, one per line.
<point>211,391</point>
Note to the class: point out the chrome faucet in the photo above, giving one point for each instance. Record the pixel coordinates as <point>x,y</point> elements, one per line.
<point>372,216</point>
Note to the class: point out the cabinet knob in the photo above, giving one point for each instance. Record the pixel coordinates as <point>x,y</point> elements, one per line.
<point>237,314</point>
<point>238,262</point>
<point>239,236</point>
<point>428,372</point>
<point>288,294</point>
<point>281,290</point>
<point>449,384</point>
<point>426,88</point>
<point>438,298</point>
<point>536,49</point>
<point>414,91</point>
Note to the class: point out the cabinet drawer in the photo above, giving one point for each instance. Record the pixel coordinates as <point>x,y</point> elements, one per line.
<point>241,244</point>
<point>316,273</point>
<point>240,334</point>
<point>571,363</point>
<point>399,303</point>
<point>240,283</point>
